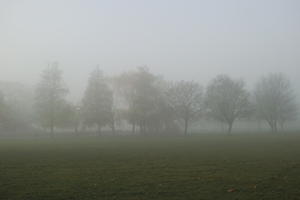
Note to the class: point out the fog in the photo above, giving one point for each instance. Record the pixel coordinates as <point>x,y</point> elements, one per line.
<point>181,40</point>
<point>149,99</point>
<point>177,40</point>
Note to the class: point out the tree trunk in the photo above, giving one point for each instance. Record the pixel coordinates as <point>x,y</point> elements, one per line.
<point>52,128</point>
<point>76,130</point>
<point>113,129</point>
<point>271,124</point>
<point>230,128</point>
<point>186,124</point>
<point>275,127</point>
<point>133,127</point>
<point>99,130</point>
<point>51,131</point>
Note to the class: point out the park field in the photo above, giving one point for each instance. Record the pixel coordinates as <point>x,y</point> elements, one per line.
<point>254,166</point>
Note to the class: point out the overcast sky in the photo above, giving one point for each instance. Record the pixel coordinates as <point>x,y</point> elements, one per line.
<point>180,39</point>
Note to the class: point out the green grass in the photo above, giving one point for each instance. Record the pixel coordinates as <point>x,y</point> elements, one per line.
<point>194,167</point>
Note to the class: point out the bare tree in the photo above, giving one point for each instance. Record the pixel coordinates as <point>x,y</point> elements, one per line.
<point>97,101</point>
<point>227,100</point>
<point>50,97</point>
<point>185,97</point>
<point>275,100</point>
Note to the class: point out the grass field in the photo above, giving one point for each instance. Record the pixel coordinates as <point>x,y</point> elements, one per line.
<point>137,168</point>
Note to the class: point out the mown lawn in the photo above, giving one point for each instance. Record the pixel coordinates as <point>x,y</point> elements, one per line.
<point>136,168</point>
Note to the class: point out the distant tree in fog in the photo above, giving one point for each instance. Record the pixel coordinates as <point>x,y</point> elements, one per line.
<point>125,86</point>
<point>227,100</point>
<point>18,103</point>
<point>144,99</point>
<point>97,101</point>
<point>147,106</point>
<point>162,118</point>
<point>185,98</point>
<point>275,100</point>
<point>8,119</point>
<point>50,97</point>
<point>140,93</point>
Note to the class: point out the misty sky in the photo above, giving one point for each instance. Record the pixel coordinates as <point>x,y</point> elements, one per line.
<point>180,39</point>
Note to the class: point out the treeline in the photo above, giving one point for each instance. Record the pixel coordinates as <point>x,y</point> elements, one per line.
<point>148,104</point>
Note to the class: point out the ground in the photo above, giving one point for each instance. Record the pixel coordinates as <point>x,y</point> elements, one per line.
<point>257,166</point>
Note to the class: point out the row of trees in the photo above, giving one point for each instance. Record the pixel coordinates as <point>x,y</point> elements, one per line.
<point>149,104</point>
<point>152,105</point>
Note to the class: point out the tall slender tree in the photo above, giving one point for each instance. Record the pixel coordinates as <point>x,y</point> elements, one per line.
<point>50,97</point>
<point>97,101</point>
